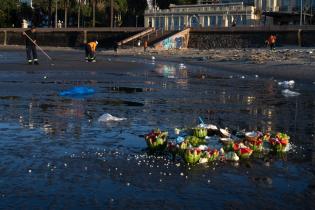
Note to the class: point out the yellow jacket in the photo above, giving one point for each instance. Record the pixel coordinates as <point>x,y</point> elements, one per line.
<point>92,45</point>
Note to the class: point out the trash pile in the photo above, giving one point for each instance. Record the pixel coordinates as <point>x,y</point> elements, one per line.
<point>207,143</point>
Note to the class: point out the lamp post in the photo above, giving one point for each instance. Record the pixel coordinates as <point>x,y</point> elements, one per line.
<point>136,21</point>
<point>154,14</point>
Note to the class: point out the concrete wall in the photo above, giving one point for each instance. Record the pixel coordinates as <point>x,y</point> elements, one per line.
<point>2,38</point>
<point>106,37</point>
<point>250,37</point>
<point>204,38</point>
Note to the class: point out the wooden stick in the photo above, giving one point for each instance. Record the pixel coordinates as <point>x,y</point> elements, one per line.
<point>38,46</point>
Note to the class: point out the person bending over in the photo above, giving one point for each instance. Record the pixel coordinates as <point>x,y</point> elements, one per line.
<point>90,49</point>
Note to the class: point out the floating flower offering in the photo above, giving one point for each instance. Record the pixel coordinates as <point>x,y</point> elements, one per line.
<point>197,145</point>
<point>156,140</point>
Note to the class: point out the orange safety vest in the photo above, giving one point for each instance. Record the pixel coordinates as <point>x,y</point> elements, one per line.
<point>92,45</point>
<point>272,39</point>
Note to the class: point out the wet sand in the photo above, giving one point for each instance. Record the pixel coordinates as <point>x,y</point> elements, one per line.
<point>285,63</point>
<point>56,155</point>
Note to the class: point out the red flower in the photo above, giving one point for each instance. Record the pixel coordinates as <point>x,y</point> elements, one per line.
<point>245,151</point>
<point>258,142</point>
<point>284,142</point>
<point>236,147</point>
<point>198,151</point>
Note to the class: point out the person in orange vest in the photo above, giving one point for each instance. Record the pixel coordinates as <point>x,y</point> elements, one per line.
<point>145,45</point>
<point>272,41</point>
<point>90,49</point>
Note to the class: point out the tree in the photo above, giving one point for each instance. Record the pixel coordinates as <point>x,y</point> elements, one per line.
<point>79,12</point>
<point>7,9</point>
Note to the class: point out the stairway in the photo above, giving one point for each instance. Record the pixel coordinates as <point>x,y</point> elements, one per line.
<point>151,36</point>
<point>158,39</point>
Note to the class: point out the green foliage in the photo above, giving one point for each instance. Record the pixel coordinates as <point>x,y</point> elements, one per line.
<point>7,10</point>
<point>127,9</point>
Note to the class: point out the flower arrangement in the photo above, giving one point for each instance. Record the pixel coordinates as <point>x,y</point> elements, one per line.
<point>192,155</point>
<point>242,151</point>
<point>195,141</point>
<point>200,132</point>
<point>194,149</point>
<point>280,142</point>
<point>212,155</point>
<point>256,146</point>
<point>156,140</point>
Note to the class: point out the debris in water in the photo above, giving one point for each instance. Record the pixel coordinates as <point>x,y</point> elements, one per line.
<point>287,84</point>
<point>289,93</point>
<point>77,91</point>
<point>108,117</point>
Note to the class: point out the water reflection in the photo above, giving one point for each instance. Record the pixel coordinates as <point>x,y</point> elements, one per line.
<point>61,142</point>
<point>178,73</point>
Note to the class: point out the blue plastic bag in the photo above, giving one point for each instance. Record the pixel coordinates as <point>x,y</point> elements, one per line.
<point>78,91</point>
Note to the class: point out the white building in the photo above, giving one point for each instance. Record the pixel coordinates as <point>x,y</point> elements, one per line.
<point>200,15</point>
<point>29,2</point>
<point>268,5</point>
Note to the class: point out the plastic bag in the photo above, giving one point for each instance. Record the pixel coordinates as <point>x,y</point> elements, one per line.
<point>110,118</point>
<point>77,91</point>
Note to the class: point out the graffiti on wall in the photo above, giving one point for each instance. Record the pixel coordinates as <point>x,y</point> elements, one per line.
<point>177,41</point>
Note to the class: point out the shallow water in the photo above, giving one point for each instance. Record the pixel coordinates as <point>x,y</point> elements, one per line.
<point>55,155</point>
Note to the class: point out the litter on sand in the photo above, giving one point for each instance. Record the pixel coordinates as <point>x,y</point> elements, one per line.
<point>77,91</point>
<point>110,118</point>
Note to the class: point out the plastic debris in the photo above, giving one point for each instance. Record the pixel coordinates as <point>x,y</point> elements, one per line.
<point>289,93</point>
<point>287,84</point>
<point>231,156</point>
<point>78,91</point>
<point>203,160</point>
<point>109,118</point>
<point>179,139</point>
<point>182,66</point>
<point>176,131</point>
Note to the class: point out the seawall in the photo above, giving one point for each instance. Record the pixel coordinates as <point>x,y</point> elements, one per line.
<point>203,38</point>
<point>247,37</point>
<point>70,37</point>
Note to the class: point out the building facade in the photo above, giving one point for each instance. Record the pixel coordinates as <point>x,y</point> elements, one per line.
<point>28,2</point>
<point>178,17</point>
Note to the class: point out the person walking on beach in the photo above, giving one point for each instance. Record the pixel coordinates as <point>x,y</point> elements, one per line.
<point>30,40</point>
<point>272,41</point>
<point>90,49</point>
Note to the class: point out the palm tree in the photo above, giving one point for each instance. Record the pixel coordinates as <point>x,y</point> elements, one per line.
<point>94,6</point>
<point>65,4</point>
<point>111,12</point>
<point>79,12</point>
